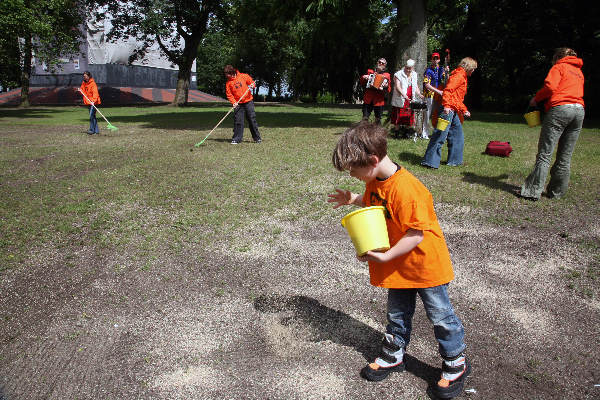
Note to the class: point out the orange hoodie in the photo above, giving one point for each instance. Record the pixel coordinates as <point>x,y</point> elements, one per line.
<point>90,89</point>
<point>236,87</point>
<point>563,85</point>
<point>455,91</point>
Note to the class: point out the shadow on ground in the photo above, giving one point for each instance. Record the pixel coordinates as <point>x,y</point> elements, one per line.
<point>494,182</point>
<point>205,118</point>
<point>328,324</point>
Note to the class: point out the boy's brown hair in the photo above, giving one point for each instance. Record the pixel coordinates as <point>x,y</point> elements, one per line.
<point>229,70</point>
<point>357,143</point>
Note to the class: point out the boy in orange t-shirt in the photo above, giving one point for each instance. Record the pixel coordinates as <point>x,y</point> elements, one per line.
<point>418,261</point>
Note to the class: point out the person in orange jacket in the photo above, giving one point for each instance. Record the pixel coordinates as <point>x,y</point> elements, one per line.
<point>562,95</point>
<point>90,90</point>
<point>374,98</point>
<point>454,110</point>
<point>239,93</point>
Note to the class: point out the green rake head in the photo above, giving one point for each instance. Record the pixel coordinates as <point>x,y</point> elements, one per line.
<point>111,127</point>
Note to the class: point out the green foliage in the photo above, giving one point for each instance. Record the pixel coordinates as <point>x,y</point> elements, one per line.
<point>310,48</point>
<point>48,26</point>
<point>215,51</point>
<point>514,54</point>
<point>168,23</point>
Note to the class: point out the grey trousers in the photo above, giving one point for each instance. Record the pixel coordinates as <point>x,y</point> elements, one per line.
<point>562,125</point>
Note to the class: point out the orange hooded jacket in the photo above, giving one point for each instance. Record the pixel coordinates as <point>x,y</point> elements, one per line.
<point>90,90</point>
<point>236,87</point>
<point>563,85</point>
<point>455,91</point>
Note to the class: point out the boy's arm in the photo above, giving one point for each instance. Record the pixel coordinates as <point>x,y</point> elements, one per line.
<point>409,241</point>
<point>345,197</point>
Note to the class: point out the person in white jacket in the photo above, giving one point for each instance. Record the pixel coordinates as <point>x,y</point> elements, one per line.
<point>406,89</point>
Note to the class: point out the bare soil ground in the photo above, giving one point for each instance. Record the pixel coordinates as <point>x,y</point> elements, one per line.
<point>296,318</point>
<point>293,319</point>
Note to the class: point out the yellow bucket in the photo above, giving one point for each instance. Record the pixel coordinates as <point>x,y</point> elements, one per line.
<point>442,123</point>
<point>367,229</point>
<point>532,118</point>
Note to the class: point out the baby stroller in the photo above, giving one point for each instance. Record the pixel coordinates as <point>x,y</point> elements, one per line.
<point>419,109</point>
<point>412,119</point>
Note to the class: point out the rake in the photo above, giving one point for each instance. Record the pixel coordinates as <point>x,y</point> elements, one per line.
<point>222,119</point>
<point>109,126</point>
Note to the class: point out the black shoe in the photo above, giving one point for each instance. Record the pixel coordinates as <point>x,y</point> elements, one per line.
<point>90,132</point>
<point>376,375</point>
<point>258,141</point>
<point>519,195</point>
<point>456,385</point>
<point>388,347</point>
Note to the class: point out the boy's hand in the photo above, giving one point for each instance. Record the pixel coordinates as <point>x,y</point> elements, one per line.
<point>342,198</point>
<point>374,256</point>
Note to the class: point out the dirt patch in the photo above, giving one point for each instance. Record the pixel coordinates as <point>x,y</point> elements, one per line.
<point>295,318</point>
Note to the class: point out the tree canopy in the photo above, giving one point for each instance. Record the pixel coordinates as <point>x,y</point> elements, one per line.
<point>321,46</point>
<point>167,23</point>
<point>45,29</point>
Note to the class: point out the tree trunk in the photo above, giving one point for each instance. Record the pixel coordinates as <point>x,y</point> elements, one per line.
<point>185,68</point>
<point>26,72</point>
<point>412,35</point>
<point>183,88</point>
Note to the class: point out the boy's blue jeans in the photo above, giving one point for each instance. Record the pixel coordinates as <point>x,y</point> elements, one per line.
<point>456,143</point>
<point>447,327</point>
<point>93,121</point>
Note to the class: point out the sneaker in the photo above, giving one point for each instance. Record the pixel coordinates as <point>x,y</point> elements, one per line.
<point>454,373</point>
<point>234,142</point>
<point>258,141</point>
<point>391,359</point>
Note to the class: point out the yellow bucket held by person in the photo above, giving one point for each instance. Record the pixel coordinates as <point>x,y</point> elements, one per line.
<point>532,118</point>
<point>367,229</point>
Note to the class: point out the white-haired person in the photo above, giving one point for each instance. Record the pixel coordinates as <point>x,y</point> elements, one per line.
<point>406,89</point>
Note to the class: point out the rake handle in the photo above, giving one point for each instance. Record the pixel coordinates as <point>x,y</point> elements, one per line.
<point>92,104</point>
<point>223,119</point>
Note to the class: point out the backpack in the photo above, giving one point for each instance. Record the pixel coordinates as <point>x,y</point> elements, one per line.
<point>500,149</point>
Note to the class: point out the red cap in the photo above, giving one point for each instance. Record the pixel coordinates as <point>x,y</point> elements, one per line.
<point>435,55</point>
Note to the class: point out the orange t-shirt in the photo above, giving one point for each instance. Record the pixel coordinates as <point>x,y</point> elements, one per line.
<point>409,205</point>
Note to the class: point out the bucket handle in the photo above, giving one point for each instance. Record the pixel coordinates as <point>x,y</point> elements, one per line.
<point>529,108</point>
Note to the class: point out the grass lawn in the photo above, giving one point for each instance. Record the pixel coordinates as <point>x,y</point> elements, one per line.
<point>58,182</point>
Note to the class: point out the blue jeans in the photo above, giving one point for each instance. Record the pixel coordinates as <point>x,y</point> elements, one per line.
<point>562,125</point>
<point>456,142</point>
<point>93,121</point>
<point>447,328</point>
